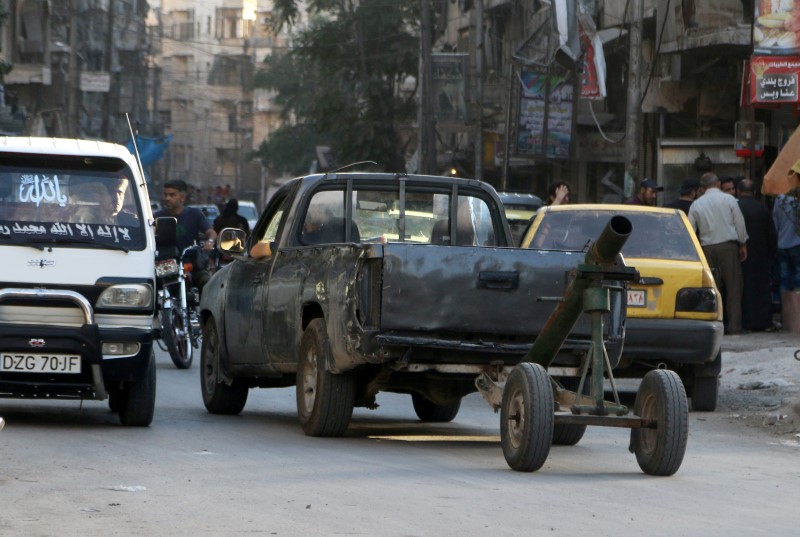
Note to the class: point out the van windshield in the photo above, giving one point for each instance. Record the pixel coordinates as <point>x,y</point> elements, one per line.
<point>76,201</point>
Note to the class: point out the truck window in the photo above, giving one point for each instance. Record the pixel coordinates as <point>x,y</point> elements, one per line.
<point>426,217</point>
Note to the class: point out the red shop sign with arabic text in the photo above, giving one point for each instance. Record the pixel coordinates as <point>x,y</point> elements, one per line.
<point>774,80</point>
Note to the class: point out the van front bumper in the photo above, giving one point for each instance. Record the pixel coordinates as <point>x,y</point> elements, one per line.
<point>96,371</point>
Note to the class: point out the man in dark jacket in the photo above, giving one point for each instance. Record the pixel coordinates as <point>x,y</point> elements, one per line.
<point>762,246</point>
<point>687,194</point>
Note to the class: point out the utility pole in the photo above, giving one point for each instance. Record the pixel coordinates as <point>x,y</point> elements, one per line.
<point>634,109</point>
<point>106,129</point>
<point>427,133</point>
<point>479,89</point>
<point>74,84</point>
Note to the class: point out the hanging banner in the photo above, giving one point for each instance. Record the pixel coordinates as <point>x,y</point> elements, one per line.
<point>776,28</point>
<point>593,69</point>
<point>449,77</point>
<point>773,80</point>
<point>545,115</point>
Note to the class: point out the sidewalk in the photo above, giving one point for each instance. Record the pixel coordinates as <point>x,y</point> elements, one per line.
<point>760,381</point>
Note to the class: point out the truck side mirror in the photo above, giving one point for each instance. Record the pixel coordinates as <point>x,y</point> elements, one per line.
<point>166,237</point>
<point>231,241</point>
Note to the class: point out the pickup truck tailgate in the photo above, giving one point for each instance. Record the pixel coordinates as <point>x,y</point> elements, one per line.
<point>473,290</point>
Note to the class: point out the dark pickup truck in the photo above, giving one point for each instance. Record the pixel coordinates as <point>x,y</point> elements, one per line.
<point>380,282</point>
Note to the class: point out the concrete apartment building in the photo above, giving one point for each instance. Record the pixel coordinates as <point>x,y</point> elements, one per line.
<point>56,82</point>
<point>204,56</point>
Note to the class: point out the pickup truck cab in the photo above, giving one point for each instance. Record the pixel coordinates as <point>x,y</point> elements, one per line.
<point>77,286</point>
<point>378,282</point>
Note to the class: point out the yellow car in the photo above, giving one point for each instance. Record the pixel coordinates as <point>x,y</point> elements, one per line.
<point>674,310</point>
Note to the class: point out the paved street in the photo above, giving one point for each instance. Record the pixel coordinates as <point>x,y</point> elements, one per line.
<point>69,469</point>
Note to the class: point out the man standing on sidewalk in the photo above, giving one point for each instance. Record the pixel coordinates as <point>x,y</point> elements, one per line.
<point>720,227</point>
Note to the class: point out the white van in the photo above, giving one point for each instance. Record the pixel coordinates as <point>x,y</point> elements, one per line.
<point>77,288</point>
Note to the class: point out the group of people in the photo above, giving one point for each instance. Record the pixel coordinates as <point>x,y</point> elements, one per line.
<point>747,245</point>
<point>193,224</point>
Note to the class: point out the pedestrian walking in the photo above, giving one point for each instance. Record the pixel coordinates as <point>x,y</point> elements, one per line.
<point>762,245</point>
<point>786,216</point>
<point>719,224</point>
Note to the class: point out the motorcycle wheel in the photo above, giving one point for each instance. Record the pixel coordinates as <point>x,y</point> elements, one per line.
<point>175,332</point>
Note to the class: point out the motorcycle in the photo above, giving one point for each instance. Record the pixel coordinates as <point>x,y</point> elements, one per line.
<point>178,303</point>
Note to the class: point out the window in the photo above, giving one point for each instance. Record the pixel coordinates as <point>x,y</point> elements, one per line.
<point>229,23</point>
<point>377,216</point>
<point>61,198</point>
<point>231,70</point>
<point>165,118</point>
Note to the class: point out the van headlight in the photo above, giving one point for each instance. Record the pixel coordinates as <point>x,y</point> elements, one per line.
<point>126,296</point>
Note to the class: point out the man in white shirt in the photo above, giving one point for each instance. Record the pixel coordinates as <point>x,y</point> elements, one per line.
<point>720,227</point>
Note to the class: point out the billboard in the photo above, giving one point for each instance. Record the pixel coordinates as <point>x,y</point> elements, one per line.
<point>449,83</point>
<point>776,28</point>
<point>545,115</point>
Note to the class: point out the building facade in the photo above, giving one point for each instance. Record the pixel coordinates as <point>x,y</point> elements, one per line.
<point>57,82</point>
<point>688,70</point>
<point>204,57</point>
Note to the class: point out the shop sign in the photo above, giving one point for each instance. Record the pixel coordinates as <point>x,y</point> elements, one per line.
<point>95,82</point>
<point>545,115</point>
<point>773,80</point>
<point>776,28</point>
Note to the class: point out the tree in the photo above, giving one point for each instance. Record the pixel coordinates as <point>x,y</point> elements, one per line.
<point>341,82</point>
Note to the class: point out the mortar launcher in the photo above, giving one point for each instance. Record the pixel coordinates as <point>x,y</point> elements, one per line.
<point>533,404</point>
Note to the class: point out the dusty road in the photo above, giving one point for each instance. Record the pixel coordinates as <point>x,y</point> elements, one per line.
<point>72,470</point>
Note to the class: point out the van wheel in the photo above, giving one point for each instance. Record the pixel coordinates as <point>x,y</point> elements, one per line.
<point>325,400</point>
<point>429,411</point>
<point>115,400</point>
<point>138,400</point>
<point>218,397</point>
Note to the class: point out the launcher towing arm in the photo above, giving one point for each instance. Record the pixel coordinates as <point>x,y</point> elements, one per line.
<point>533,405</point>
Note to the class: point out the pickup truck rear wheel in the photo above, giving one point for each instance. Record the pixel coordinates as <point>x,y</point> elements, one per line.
<point>569,434</point>
<point>661,398</point>
<point>218,397</point>
<point>526,417</point>
<point>138,400</point>
<point>705,385</point>
<point>324,400</point>
<point>429,411</point>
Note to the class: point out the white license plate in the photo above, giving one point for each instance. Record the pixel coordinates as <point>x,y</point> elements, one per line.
<point>21,362</point>
<point>637,298</point>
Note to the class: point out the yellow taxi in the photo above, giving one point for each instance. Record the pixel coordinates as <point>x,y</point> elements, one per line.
<point>674,311</point>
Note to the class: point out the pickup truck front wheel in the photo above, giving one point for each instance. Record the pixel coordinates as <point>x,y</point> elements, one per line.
<point>324,400</point>
<point>218,397</point>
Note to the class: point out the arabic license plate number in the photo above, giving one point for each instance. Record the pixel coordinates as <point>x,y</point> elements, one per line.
<point>20,362</point>
<point>637,298</point>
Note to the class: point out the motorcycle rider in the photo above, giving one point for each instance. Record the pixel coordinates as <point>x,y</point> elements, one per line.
<point>191,224</point>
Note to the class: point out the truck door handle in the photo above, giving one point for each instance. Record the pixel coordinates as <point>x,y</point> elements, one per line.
<point>495,279</point>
